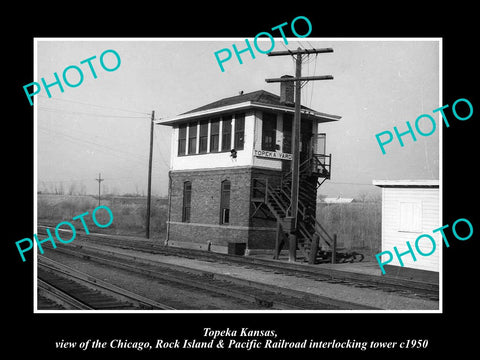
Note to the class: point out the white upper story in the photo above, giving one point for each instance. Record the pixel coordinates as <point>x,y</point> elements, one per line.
<point>251,129</point>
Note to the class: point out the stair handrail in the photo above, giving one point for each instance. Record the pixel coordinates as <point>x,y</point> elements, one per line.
<point>327,235</point>
<point>289,174</point>
<point>274,197</point>
<point>301,209</point>
<point>324,166</point>
<point>319,229</point>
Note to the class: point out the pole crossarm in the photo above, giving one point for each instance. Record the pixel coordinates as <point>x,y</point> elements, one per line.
<point>301,51</point>
<point>302,78</point>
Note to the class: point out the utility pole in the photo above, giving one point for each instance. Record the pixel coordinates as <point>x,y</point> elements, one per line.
<point>99,181</point>
<point>149,190</point>
<point>296,133</point>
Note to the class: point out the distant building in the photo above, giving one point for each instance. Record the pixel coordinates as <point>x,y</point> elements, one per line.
<point>411,208</point>
<point>337,200</point>
<point>226,156</point>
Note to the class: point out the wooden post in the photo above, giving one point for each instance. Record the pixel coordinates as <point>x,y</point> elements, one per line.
<point>334,249</point>
<point>278,241</point>
<point>295,159</point>
<point>266,190</point>
<point>313,249</point>
<point>292,247</point>
<point>149,189</point>
<point>99,181</point>
<point>296,126</point>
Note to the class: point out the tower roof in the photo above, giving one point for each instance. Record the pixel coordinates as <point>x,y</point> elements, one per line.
<point>256,99</point>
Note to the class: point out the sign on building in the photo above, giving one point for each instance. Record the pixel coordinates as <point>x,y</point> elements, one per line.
<point>272,154</point>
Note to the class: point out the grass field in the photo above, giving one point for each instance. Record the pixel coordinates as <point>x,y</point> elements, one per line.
<point>129,213</point>
<point>357,225</point>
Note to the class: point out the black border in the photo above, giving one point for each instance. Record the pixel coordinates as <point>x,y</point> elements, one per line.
<point>37,332</point>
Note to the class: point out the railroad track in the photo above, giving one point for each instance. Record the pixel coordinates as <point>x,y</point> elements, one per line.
<point>405,287</point>
<point>263,295</point>
<point>74,290</point>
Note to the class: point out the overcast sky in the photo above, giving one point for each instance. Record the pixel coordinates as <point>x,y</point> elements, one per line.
<point>102,126</point>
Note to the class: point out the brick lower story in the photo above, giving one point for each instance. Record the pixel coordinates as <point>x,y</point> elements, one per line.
<point>219,238</point>
<point>204,230</point>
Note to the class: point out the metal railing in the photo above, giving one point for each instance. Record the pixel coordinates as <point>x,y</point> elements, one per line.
<point>263,191</point>
<point>259,189</point>
<point>318,164</point>
<point>321,164</point>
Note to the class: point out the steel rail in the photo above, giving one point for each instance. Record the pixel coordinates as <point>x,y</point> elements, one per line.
<point>265,295</point>
<point>413,287</point>
<point>58,296</point>
<point>117,292</point>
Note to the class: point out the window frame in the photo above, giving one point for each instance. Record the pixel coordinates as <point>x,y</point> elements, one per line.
<point>227,120</point>
<point>410,220</point>
<point>225,202</point>
<point>287,133</point>
<point>239,132</point>
<point>187,202</point>
<point>203,137</point>
<point>214,123</point>
<point>182,140</point>
<point>192,137</point>
<point>269,118</point>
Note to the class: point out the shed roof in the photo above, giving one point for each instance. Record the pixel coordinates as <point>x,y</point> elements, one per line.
<point>406,183</point>
<point>256,99</point>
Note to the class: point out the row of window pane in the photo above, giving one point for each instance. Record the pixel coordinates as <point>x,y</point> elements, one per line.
<point>239,135</point>
<point>224,202</point>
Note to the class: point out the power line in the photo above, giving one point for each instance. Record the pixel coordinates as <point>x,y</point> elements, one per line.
<point>300,44</point>
<point>97,136</point>
<point>308,42</point>
<point>160,151</point>
<point>137,157</point>
<point>44,108</point>
<point>63,181</point>
<point>89,104</point>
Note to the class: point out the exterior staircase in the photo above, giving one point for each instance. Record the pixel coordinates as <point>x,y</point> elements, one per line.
<point>310,233</point>
<point>313,172</point>
<point>314,243</point>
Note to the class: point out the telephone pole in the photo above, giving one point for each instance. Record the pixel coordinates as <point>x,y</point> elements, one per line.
<point>149,190</point>
<point>99,181</point>
<point>296,133</point>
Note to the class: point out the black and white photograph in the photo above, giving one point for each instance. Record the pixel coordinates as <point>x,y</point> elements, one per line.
<point>256,184</point>
<point>221,193</point>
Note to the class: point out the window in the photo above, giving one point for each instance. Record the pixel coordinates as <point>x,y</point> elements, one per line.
<point>203,137</point>
<point>269,127</point>
<point>239,131</point>
<point>321,143</point>
<point>187,199</point>
<point>192,138</point>
<point>182,139</point>
<point>225,203</point>
<point>410,216</point>
<point>287,133</point>
<point>214,135</point>
<point>227,133</point>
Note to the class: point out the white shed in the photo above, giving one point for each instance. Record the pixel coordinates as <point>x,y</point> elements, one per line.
<point>410,208</point>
